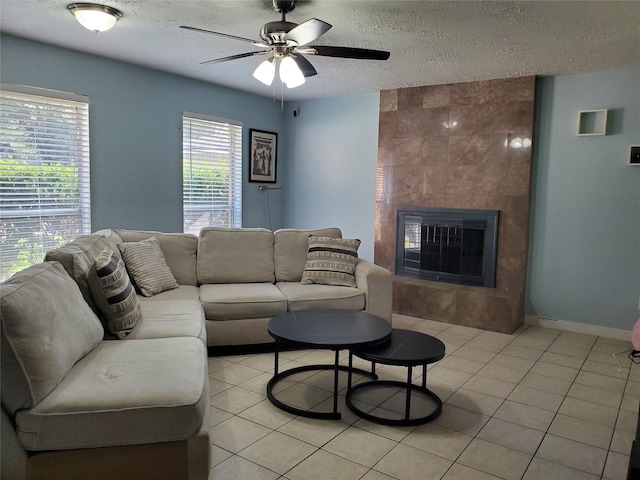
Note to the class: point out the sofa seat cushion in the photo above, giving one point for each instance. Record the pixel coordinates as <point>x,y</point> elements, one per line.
<point>233,301</point>
<point>123,393</point>
<point>170,318</point>
<point>304,297</point>
<point>183,292</point>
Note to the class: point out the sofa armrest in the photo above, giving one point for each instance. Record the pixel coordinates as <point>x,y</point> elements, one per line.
<point>14,457</point>
<point>376,283</point>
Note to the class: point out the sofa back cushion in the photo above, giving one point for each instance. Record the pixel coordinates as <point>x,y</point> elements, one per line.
<point>290,251</point>
<point>180,252</point>
<point>113,238</point>
<point>46,327</point>
<point>235,255</point>
<point>77,258</point>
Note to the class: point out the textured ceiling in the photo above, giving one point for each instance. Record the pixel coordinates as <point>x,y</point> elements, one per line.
<point>430,42</point>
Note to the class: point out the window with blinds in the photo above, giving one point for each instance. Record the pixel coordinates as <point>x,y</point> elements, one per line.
<point>44,174</point>
<point>211,173</point>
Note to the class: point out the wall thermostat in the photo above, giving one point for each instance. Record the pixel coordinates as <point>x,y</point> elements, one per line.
<point>634,155</point>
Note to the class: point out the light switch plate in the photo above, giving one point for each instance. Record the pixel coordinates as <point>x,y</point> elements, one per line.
<point>634,155</point>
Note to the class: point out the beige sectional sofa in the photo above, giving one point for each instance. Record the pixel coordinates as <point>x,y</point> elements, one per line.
<point>78,403</point>
<point>243,277</point>
<point>76,406</point>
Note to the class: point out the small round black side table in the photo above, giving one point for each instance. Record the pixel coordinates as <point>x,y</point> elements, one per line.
<point>407,349</point>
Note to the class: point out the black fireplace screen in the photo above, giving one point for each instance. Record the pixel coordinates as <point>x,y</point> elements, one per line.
<point>448,245</point>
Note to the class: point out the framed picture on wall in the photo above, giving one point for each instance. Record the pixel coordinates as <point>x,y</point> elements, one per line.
<point>263,152</point>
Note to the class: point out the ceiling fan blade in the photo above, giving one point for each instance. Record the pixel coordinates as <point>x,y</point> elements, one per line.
<point>348,52</point>
<point>234,57</point>
<point>242,39</point>
<point>308,31</point>
<point>304,65</point>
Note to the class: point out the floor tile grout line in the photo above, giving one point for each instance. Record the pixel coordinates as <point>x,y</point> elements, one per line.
<point>604,467</point>
<point>475,436</point>
<point>546,432</point>
<point>555,415</point>
<point>558,411</point>
<point>503,400</point>
<point>457,389</point>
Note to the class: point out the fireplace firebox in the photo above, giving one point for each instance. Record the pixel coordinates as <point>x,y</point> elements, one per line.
<point>448,245</point>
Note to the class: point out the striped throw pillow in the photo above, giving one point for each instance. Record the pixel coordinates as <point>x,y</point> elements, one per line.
<point>331,261</point>
<point>114,294</point>
<point>147,266</point>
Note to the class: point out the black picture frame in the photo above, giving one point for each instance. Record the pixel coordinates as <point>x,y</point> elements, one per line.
<point>263,156</point>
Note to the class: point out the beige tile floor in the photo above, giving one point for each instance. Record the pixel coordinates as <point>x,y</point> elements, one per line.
<point>540,404</point>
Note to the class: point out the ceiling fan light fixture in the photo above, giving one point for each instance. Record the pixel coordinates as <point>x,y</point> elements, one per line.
<point>288,43</point>
<point>266,71</point>
<point>290,72</point>
<point>95,17</point>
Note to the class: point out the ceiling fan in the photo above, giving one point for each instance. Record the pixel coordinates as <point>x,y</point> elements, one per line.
<point>287,42</point>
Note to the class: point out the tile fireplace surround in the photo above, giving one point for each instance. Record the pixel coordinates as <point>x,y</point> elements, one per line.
<point>463,145</point>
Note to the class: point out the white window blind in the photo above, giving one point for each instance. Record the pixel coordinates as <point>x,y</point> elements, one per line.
<point>44,175</point>
<point>211,173</point>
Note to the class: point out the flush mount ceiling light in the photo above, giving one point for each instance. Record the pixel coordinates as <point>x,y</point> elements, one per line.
<point>97,18</point>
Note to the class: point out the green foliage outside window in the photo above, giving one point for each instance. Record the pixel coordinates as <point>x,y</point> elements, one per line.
<point>25,190</point>
<point>44,190</point>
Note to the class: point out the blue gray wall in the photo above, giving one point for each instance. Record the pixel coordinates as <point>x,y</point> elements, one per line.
<point>584,252</point>
<point>585,222</point>
<point>332,152</point>
<point>135,117</point>
<point>585,232</point>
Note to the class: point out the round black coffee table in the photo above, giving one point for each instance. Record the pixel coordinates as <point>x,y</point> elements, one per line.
<point>323,329</point>
<point>406,348</point>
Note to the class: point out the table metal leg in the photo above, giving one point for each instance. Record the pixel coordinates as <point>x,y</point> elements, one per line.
<point>410,389</point>
<point>277,351</point>
<point>407,408</point>
<point>336,367</point>
<point>335,382</point>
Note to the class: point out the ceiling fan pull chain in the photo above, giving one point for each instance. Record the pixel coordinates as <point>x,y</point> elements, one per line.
<point>274,91</point>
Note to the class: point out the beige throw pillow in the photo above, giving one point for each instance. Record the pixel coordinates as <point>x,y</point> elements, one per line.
<point>114,294</point>
<point>147,266</point>
<point>331,261</point>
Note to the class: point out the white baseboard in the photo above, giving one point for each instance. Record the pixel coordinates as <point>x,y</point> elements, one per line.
<point>578,327</point>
